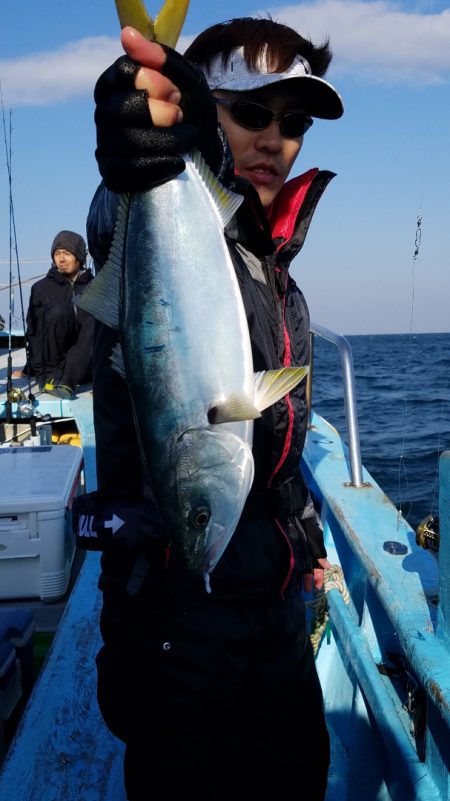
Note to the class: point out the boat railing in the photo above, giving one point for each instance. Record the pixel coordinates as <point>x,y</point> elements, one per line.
<point>348,379</point>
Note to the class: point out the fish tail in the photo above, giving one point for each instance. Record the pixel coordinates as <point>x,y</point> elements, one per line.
<point>134,13</point>
<point>168,23</point>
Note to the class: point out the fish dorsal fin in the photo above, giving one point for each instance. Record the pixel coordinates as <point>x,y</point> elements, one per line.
<point>272,385</point>
<point>226,202</point>
<point>102,296</point>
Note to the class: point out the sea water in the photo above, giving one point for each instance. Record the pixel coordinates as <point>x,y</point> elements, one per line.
<point>403,406</point>
<point>403,401</point>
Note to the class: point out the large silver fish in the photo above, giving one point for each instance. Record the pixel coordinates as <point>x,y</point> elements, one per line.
<point>170,288</point>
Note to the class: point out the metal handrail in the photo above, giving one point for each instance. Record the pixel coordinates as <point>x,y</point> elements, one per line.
<point>348,376</point>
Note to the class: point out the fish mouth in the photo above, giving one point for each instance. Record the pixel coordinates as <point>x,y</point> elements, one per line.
<point>211,546</point>
<point>194,553</point>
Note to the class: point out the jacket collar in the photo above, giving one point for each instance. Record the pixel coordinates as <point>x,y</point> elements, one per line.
<point>293,209</point>
<point>284,229</point>
<point>250,225</point>
<point>82,277</point>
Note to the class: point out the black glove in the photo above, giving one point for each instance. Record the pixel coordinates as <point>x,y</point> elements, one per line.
<point>132,154</point>
<point>314,536</point>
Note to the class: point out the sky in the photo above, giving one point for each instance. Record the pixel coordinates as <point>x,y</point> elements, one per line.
<point>359,269</point>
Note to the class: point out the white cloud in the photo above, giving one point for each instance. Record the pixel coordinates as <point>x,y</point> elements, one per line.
<point>374,40</point>
<point>377,40</point>
<point>49,77</point>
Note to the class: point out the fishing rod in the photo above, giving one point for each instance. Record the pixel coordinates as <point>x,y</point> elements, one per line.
<point>8,404</point>
<point>11,395</point>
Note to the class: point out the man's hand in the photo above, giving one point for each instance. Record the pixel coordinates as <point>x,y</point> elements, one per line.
<point>152,108</point>
<point>163,96</point>
<point>315,578</point>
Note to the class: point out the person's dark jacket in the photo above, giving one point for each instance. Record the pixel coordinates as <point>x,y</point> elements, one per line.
<point>278,536</point>
<point>60,335</point>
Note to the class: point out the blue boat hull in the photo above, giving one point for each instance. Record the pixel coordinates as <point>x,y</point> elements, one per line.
<point>383,659</point>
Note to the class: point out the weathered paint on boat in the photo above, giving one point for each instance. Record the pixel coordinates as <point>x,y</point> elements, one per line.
<point>392,610</point>
<point>69,752</point>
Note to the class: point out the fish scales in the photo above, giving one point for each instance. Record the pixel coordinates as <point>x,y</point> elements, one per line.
<point>183,307</point>
<point>170,288</point>
<point>186,348</point>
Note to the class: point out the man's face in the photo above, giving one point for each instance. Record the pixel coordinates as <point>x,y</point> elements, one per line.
<point>264,157</point>
<point>66,263</point>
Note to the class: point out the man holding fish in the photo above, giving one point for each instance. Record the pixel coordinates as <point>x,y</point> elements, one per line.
<point>207,672</point>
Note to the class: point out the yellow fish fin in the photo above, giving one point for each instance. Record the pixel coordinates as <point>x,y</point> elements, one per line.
<point>272,385</point>
<point>232,409</point>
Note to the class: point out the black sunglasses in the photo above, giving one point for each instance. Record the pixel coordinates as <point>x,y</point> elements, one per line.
<point>256,117</point>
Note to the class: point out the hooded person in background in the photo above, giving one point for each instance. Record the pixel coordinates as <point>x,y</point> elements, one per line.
<point>216,696</point>
<point>60,336</point>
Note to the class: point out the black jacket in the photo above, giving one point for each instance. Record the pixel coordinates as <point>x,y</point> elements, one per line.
<point>59,334</point>
<point>270,545</point>
<point>55,289</point>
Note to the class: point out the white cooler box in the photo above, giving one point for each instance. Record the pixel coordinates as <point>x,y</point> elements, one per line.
<point>37,546</point>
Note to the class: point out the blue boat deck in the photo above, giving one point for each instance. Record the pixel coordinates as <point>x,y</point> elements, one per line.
<point>74,756</point>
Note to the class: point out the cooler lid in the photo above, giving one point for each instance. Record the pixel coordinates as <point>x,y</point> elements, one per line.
<point>37,478</point>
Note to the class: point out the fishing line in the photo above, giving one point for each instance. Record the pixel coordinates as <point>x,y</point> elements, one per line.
<point>402,470</point>
<point>24,281</point>
<point>444,403</point>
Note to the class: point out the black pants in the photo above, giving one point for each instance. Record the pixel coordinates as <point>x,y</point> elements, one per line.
<point>215,700</point>
<point>61,348</point>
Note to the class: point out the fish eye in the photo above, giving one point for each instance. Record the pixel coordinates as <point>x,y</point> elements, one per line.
<point>199,517</point>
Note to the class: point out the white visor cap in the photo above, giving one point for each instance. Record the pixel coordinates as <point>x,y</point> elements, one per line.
<point>318,97</point>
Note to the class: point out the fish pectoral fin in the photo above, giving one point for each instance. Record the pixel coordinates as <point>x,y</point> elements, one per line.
<point>272,385</point>
<point>233,409</point>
